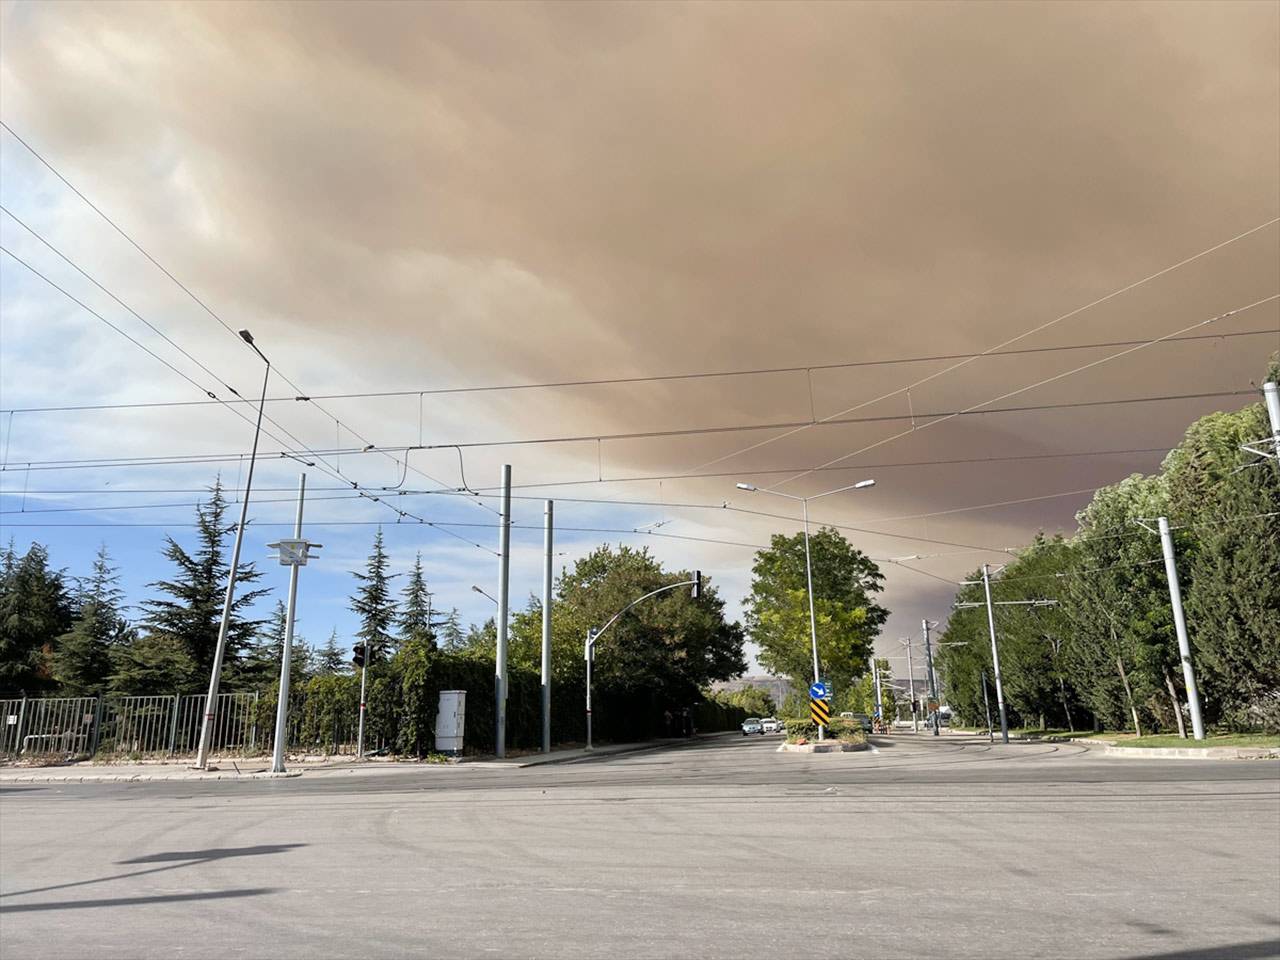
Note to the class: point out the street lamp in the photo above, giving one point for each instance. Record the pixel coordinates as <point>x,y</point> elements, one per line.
<point>483,594</point>
<point>211,701</point>
<point>808,562</point>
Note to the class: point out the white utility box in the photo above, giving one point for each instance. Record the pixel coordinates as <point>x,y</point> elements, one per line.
<point>450,721</point>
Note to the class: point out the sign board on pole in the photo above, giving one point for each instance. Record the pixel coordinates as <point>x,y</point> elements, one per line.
<point>820,712</point>
<point>818,690</point>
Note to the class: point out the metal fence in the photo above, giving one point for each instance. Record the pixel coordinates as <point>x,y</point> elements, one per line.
<point>150,726</point>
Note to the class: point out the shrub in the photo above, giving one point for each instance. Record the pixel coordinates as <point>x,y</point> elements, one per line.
<point>841,728</point>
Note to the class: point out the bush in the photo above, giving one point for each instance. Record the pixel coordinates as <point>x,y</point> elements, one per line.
<point>841,728</point>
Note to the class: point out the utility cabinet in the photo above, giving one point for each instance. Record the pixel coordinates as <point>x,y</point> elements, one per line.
<point>450,721</point>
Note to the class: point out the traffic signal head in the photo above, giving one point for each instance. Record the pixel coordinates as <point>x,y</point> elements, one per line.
<point>358,651</point>
<point>697,584</point>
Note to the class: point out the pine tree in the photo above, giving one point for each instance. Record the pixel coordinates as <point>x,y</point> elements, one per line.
<point>34,611</point>
<point>153,663</point>
<point>330,658</point>
<point>194,613</point>
<point>82,655</point>
<point>451,635</point>
<point>260,669</point>
<point>373,603</point>
<point>417,621</point>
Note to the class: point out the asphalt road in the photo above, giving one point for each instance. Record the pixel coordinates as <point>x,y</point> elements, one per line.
<point>927,848</point>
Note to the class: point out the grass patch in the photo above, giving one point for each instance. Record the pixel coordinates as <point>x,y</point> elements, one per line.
<point>1210,740</point>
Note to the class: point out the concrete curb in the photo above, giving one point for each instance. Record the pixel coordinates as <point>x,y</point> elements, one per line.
<point>827,746</point>
<point>1109,748</point>
<point>1192,753</point>
<point>145,777</point>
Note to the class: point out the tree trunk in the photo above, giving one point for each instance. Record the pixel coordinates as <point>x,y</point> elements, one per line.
<point>1129,693</point>
<point>1065,709</point>
<point>1177,707</point>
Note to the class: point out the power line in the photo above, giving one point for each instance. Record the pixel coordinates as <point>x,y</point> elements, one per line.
<point>636,435</point>
<point>482,490</point>
<point>204,306</point>
<point>1000,346</point>
<point>609,381</point>
<point>978,407</point>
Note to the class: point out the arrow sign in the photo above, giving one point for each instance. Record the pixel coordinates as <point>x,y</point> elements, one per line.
<point>817,690</point>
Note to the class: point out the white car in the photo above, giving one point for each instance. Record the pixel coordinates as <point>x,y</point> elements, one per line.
<point>752,725</point>
<point>771,725</point>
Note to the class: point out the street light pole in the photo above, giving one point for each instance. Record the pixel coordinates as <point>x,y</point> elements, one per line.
<point>215,676</point>
<point>504,580</point>
<point>808,564</point>
<point>1180,625</point>
<point>594,633</point>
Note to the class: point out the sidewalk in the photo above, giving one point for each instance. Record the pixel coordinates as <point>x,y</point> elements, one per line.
<point>259,768</point>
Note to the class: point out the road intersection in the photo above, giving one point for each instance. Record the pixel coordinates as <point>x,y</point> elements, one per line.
<point>951,847</point>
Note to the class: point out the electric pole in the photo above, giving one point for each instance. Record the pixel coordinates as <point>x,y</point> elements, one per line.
<point>933,683</point>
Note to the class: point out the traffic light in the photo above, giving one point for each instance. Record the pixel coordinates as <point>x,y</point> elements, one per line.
<point>358,659</point>
<point>697,584</point>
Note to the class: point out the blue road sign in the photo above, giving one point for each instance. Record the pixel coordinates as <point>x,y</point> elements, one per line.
<point>818,690</point>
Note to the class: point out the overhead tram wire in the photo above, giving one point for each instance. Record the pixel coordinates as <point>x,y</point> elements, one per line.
<point>201,303</point>
<point>481,490</point>
<point>292,454</point>
<point>653,434</point>
<point>610,381</point>
<point>1000,346</point>
<point>978,407</point>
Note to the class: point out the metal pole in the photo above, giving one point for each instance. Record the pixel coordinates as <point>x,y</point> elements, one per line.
<point>1180,624</point>
<point>875,675</point>
<point>1271,394</point>
<point>986,703</point>
<point>548,521</point>
<point>286,655</point>
<point>911,683</point>
<point>364,672</point>
<point>504,574</point>
<point>995,654</point>
<point>590,655</point>
<point>813,619</point>
<point>933,686</point>
<point>211,701</point>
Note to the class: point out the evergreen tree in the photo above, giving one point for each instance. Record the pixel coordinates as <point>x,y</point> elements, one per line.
<point>82,655</point>
<point>451,634</point>
<point>373,603</point>
<point>34,611</point>
<point>417,619</point>
<point>330,658</point>
<point>260,668</point>
<point>192,611</point>
<point>153,663</point>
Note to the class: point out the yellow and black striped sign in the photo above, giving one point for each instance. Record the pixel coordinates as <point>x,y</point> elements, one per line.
<point>820,712</point>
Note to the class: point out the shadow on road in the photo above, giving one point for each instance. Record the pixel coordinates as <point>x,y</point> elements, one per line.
<point>174,860</point>
<point>217,853</point>
<point>136,901</point>
<point>1232,951</point>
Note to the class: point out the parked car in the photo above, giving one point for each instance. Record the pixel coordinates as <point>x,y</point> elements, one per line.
<point>752,725</point>
<point>771,725</point>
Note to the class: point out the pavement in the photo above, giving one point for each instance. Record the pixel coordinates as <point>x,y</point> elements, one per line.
<point>256,768</point>
<point>941,848</point>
